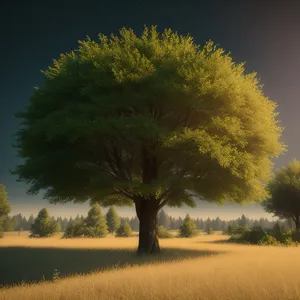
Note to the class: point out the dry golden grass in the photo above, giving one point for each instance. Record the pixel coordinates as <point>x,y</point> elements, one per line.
<point>240,272</point>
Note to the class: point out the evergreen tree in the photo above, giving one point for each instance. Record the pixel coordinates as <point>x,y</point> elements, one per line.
<point>18,220</point>
<point>188,227</point>
<point>24,225</point>
<point>9,224</point>
<point>218,224</point>
<point>112,219</point>
<point>74,229</point>
<point>4,208</point>
<point>59,221</point>
<point>277,232</point>
<point>44,225</point>
<point>179,222</point>
<point>95,224</point>
<point>124,230</point>
<point>172,223</point>
<point>64,224</point>
<point>208,224</point>
<point>243,221</point>
<point>31,220</point>
<point>163,219</point>
<point>134,223</point>
<point>224,226</point>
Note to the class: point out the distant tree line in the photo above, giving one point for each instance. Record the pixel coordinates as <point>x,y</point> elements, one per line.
<point>21,223</point>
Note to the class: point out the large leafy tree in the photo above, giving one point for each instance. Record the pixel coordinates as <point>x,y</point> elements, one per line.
<point>147,121</point>
<point>284,189</point>
<point>4,208</point>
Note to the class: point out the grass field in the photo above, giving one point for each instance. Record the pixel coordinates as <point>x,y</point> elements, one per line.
<point>198,268</point>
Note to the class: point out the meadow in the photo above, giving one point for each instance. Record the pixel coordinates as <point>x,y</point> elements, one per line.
<point>204,267</point>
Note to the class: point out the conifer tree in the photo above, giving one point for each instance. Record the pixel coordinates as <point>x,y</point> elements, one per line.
<point>164,219</point>
<point>44,225</point>
<point>188,227</point>
<point>124,230</point>
<point>74,229</point>
<point>95,224</point>
<point>112,219</point>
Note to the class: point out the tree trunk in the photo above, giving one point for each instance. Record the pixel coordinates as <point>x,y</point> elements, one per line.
<point>148,239</point>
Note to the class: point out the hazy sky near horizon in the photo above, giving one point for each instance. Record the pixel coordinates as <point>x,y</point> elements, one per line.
<point>265,35</point>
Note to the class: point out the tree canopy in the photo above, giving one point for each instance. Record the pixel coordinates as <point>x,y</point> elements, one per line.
<point>126,119</point>
<point>284,189</point>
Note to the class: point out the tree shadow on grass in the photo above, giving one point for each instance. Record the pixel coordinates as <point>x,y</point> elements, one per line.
<point>29,265</point>
<point>227,241</point>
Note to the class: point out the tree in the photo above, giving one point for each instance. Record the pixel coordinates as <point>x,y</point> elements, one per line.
<point>218,224</point>
<point>124,230</point>
<point>18,220</point>
<point>44,225</point>
<point>188,227</point>
<point>284,189</point>
<point>164,219</point>
<point>229,230</point>
<point>95,224</point>
<point>147,121</point>
<point>31,220</point>
<point>75,229</point>
<point>64,224</point>
<point>243,221</point>
<point>112,219</point>
<point>9,224</point>
<point>208,224</point>
<point>4,207</point>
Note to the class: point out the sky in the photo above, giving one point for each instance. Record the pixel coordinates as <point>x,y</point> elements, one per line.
<point>264,35</point>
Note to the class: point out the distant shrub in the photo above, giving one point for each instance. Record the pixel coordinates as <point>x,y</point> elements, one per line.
<point>288,241</point>
<point>163,233</point>
<point>124,230</point>
<point>254,235</point>
<point>236,230</point>
<point>275,237</point>
<point>240,230</point>
<point>268,240</point>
